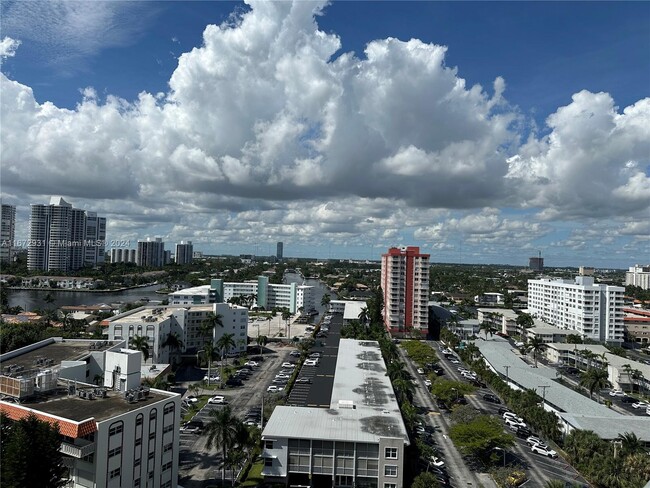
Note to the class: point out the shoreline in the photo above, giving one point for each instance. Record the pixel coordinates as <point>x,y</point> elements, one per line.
<point>80,290</point>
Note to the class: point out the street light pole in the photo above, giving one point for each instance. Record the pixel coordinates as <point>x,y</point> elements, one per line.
<point>507,368</point>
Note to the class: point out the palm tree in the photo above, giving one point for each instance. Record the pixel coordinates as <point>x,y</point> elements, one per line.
<point>525,321</point>
<point>404,388</point>
<point>554,484</point>
<point>209,324</point>
<point>208,350</point>
<point>594,378</point>
<point>630,443</point>
<point>628,372</point>
<point>536,345</point>
<point>363,315</point>
<point>141,343</point>
<point>325,300</point>
<point>173,342</point>
<point>589,356</point>
<point>262,341</point>
<point>222,431</point>
<point>486,327</point>
<point>225,343</point>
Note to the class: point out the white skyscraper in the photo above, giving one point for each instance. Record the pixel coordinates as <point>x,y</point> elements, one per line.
<point>57,236</point>
<point>7,232</point>
<point>638,276</point>
<point>184,252</point>
<point>95,242</point>
<point>593,311</point>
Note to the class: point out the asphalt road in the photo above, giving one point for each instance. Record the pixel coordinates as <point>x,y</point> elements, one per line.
<point>540,469</point>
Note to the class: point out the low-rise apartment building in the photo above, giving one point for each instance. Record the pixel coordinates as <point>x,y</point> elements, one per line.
<point>358,441</point>
<point>65,282</point>
<point>114,432</point>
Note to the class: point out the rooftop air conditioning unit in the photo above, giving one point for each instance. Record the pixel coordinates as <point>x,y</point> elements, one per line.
<point>346,404</point>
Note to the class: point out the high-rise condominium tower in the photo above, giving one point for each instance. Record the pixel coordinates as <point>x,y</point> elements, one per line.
<point>279,250</point>
<point>184,252</point>
<point>151,253</point>
<point>58,238</point>
<point>405,283</point>
<point>7,232</point>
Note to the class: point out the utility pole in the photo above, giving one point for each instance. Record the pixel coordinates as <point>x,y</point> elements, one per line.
<point>507,368</point>
<point>543,387</point>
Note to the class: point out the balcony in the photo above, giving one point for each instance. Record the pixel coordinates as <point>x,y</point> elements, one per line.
<point>80,449</point>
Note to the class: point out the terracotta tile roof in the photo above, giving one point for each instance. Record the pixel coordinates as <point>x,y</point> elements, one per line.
<point>68,428</point>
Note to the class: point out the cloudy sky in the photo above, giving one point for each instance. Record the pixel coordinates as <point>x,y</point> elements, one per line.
<point>482,132</point>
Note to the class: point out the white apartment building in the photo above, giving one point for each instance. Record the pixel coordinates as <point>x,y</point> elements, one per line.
<point>114,432</point>
<point>267,295</point>
<point>184,252</point>
<point>119,255</point>
<point>157,323</point>
<point>58,237</point>
<point>638,276</point>
<point>405,282</point>
<point>7,232</point>
<point>592,311</point>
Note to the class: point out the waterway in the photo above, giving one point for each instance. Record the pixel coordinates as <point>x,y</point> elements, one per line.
<point>34,299</point>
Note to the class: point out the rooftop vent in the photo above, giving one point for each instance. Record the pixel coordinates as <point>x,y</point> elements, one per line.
<point>347,404</point>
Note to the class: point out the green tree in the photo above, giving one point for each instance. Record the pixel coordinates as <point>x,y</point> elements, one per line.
<point>363,315</point>
<point>594,379</point>
<point>211,321</point>
<point>425,480</point>
<point>630,443</point>
<point>30,454</point>
<point>525,320</point>
<point>225,343</point>
<point>325,300</point>
<point>221,430</point>
<point>486,327</point>
<point>480,437</point>
<point>262,341</point>
<point>173,342</point>
<point>141,343</point>
<point>554,484</point>
<point>448,391</point>
<point>535,345</point>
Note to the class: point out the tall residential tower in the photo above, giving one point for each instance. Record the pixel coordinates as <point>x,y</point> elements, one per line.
<point>7,232</point>
<point>405,283</point>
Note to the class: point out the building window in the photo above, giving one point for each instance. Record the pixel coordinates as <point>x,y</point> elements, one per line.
<point>390,453</point>
<point>169,409</point>
<point>390,470</point>
<point>138,421</point>
<point>390,485</point>
<point>116,429</point>
<point>152,435</point>
<point>167,466</point>
<point>152,455</point>
<point>115,452</point>
<point>114,474</point>
<point>268,462</point>
<point>169,428</point>
<point>268,444</point>
<point>137,462</point>
<point>136,483</point>
<point>168,447</point>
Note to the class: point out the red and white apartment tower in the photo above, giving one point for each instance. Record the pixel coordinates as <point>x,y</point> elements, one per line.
<point>405,283</point>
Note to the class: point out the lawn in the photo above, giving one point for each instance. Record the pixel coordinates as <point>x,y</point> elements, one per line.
<point>254,477</point>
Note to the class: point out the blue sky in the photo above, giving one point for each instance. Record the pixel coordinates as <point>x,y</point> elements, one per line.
<point>481,131</point>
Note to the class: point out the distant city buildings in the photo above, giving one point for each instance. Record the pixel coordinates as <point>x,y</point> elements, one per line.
<point>586,271</point>
<point>279,251</point>
<point>638,276</point>
<point>119,255</point>
<point>7,233</point>
<point>536,264</point>
<point>184,252</point>
<point>151,253</point>
<point>64,238</point>
<point>405,283</point>
<point>593,311</point>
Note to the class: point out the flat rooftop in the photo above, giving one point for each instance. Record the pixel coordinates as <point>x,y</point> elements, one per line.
<point>360,380</point>
<point>57,350</point>
<point>79,409</point>
<point>194,290</point>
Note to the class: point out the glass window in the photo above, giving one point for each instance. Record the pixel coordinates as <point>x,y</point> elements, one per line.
<point>390,470</point>
<point>390,453</point>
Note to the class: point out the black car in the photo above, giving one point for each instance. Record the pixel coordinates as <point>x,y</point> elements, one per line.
<point>523,432</point>
<point>628,399</point>
<point>234,382</point>
<point>503,410</point>
<point>489,397</point>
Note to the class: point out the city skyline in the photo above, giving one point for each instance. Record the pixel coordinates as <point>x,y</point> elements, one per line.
<point>236,126</point>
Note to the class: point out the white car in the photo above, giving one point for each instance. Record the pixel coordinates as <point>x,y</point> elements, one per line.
<point>311,362</point>
<point>254,364</point>
<point>191,400</point>
<point>275,389</point>
<point>532,440</point>
<point>315,355</point>
<point>427,383</point>
<point>282,376</point>
<point>436,461</point>
<point>544,451</point>
<point>641,405</point>
<point>617,393</point>
<point>213,377</point>
<point>190,429</point>
<point>454,361</point>
<point>217,400</point>
<point>420,371</point>
<point>514,424</point>
<point>288,365</point>
<point>512,416</point>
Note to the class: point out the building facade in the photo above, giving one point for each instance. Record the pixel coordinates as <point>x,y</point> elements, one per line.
<point>592,310</point>
<point>536,264</point>
<point>119,255</point>
<point>638,276</point>
<point>115,432</point>
<point>184,252</point>
<point>405,283</point>
<point>58,237</point>
<point>7,233</point>
<point>279,253</point>
<point>151,253</point>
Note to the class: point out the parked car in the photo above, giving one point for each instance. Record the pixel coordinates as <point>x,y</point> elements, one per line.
<point>283,376</point>
<point>641,405</point>
<point>280,381</point>
<point>420,371</point>
<point>218,400</point>
<point>544,451</point>
<point>489,397</point>
<point>275,389</point>
<point>295,354</point>
<point>234,382</point>
<point>311,362</point>
<point>454,361</point>
<point>523,432</point>
<point>191,400</point>
<point>513,416</point>
<point>514,424</point>
<point>427,383</point>
<point>213,378</point>
<point>190,429</point>
<point>315,355</point>
<point>251,363</point>
<point>304,379</point>
<point>503,410</point>
<point>287,364</point>
<point>628,399</point>
<point>436,461</point>
<point>534,440</point>
<point>617,393</point>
